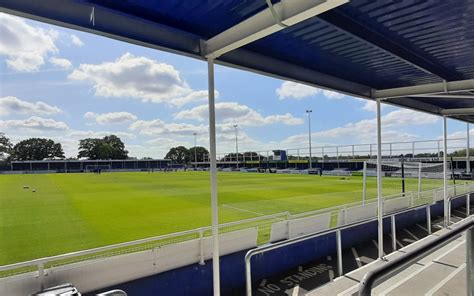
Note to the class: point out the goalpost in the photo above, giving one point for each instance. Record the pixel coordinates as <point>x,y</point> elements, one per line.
<point>94,167</point>
<point>403,177</point>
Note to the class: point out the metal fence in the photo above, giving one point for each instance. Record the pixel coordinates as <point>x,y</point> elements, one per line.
<point>409,149</point>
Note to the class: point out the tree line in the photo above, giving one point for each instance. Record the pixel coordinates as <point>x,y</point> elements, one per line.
<point>108,147</point>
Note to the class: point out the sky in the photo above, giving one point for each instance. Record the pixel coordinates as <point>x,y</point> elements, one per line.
<point>68,85</point>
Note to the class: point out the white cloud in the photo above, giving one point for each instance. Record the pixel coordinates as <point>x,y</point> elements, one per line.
<point>293,90</point>
<point>25,46</point>
<point>33,123</point>
<point>298,91</point>
<point>232,112</point>
<point>13,105</point>
<point>138,77</point>
<point>159,127</point>
<point>332,95</point>
<point>77,134</point>
<point>364,131</point>
<point>60,62</point>
<point>111,118</point>
<point>76,41</point>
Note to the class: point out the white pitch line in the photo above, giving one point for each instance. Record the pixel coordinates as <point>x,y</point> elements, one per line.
<point>411,234</point>
<point>238,209</point>
<point>413,274</point>
<point>356,256</point>
<point>446,279</point>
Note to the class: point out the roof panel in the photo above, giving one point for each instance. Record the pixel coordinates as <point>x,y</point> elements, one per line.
<point>355,48</point>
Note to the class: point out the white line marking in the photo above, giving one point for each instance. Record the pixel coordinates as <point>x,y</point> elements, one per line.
<point>411,234</point>
<point>329,258</point>
<point>413,274</point>
<point>300,268</point>
<point>356,256</point>
<point>398,242</point>
<point>238,209</point>
<point>446,279</point>
<point>349,291</point>
<point>296,291</point>
<point>422,227</point>
<point>331,274</point>
<point>263,282</point>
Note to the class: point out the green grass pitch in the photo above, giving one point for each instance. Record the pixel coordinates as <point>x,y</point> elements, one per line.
<point>70,212</point>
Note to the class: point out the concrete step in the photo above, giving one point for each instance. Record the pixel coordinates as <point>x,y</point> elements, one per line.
<point>427,277</point>
<point>442,262</point>
<point>450,254</point>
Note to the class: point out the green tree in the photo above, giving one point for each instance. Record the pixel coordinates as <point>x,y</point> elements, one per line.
<point>37,149</point>
<point>5,146</point>
<point>178,154</point>
<point>200,153</point>
<point>109,147</point>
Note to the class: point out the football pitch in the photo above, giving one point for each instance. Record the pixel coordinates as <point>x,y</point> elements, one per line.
<point>50,214</point>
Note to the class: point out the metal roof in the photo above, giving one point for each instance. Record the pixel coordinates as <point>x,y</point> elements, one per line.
<point>411,53</point>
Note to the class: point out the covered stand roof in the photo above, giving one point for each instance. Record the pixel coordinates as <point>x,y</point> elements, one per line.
<point>411,53</point>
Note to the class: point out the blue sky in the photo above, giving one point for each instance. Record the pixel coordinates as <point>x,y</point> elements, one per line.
<point>67,85</point>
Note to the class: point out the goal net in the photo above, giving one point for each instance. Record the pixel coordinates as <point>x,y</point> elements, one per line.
<point>101,167</point>
<point>400,177</point>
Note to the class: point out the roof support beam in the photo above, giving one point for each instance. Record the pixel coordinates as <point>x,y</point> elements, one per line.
<point>446,96</point>
<point>426,89</point>
<point>457,111</point>
<point>266,22</point>
<point>370,36</point>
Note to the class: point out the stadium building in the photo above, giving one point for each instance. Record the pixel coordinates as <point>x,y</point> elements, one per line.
<point>77,166</point>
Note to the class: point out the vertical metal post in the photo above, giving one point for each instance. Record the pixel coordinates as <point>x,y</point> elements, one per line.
<point>309,138</point>
<point>195,151</point>
<point>298,151</point>
<point>41,275</point>
<point>339,253</point>
<point>439,150</point>
<point>379,180</point>
<point>419,179</point>
<point>288,217</point>
<point>213,170</point>
<point>370,150</point>
<point>445,172</point>
<point>413,149</point>
<point>468,152</point>
<point>394,233</point>
<point>201,247</point>
<point>364,182</point>
<point>236,145</point>
<point>248,276</point>
<point>353,155</point>
<point>428,219</point>
<point>390,149</point>
<point>470,261</point>
<point>468,204</point>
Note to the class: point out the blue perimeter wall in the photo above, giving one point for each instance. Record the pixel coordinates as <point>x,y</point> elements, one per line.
<point>197,279</point>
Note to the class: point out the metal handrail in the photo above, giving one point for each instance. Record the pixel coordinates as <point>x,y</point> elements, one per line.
<point>337,230</point>
<point>383,271</point>
<point>132,243</point>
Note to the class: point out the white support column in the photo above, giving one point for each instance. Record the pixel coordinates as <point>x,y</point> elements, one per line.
<point>213,170</point>
<point>445,171</point>
<point>379,181</point>
<point>468,152</point>
<point>364,183</point>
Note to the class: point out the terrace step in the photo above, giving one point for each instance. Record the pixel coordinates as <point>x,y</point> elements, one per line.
<point>433,268</point>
